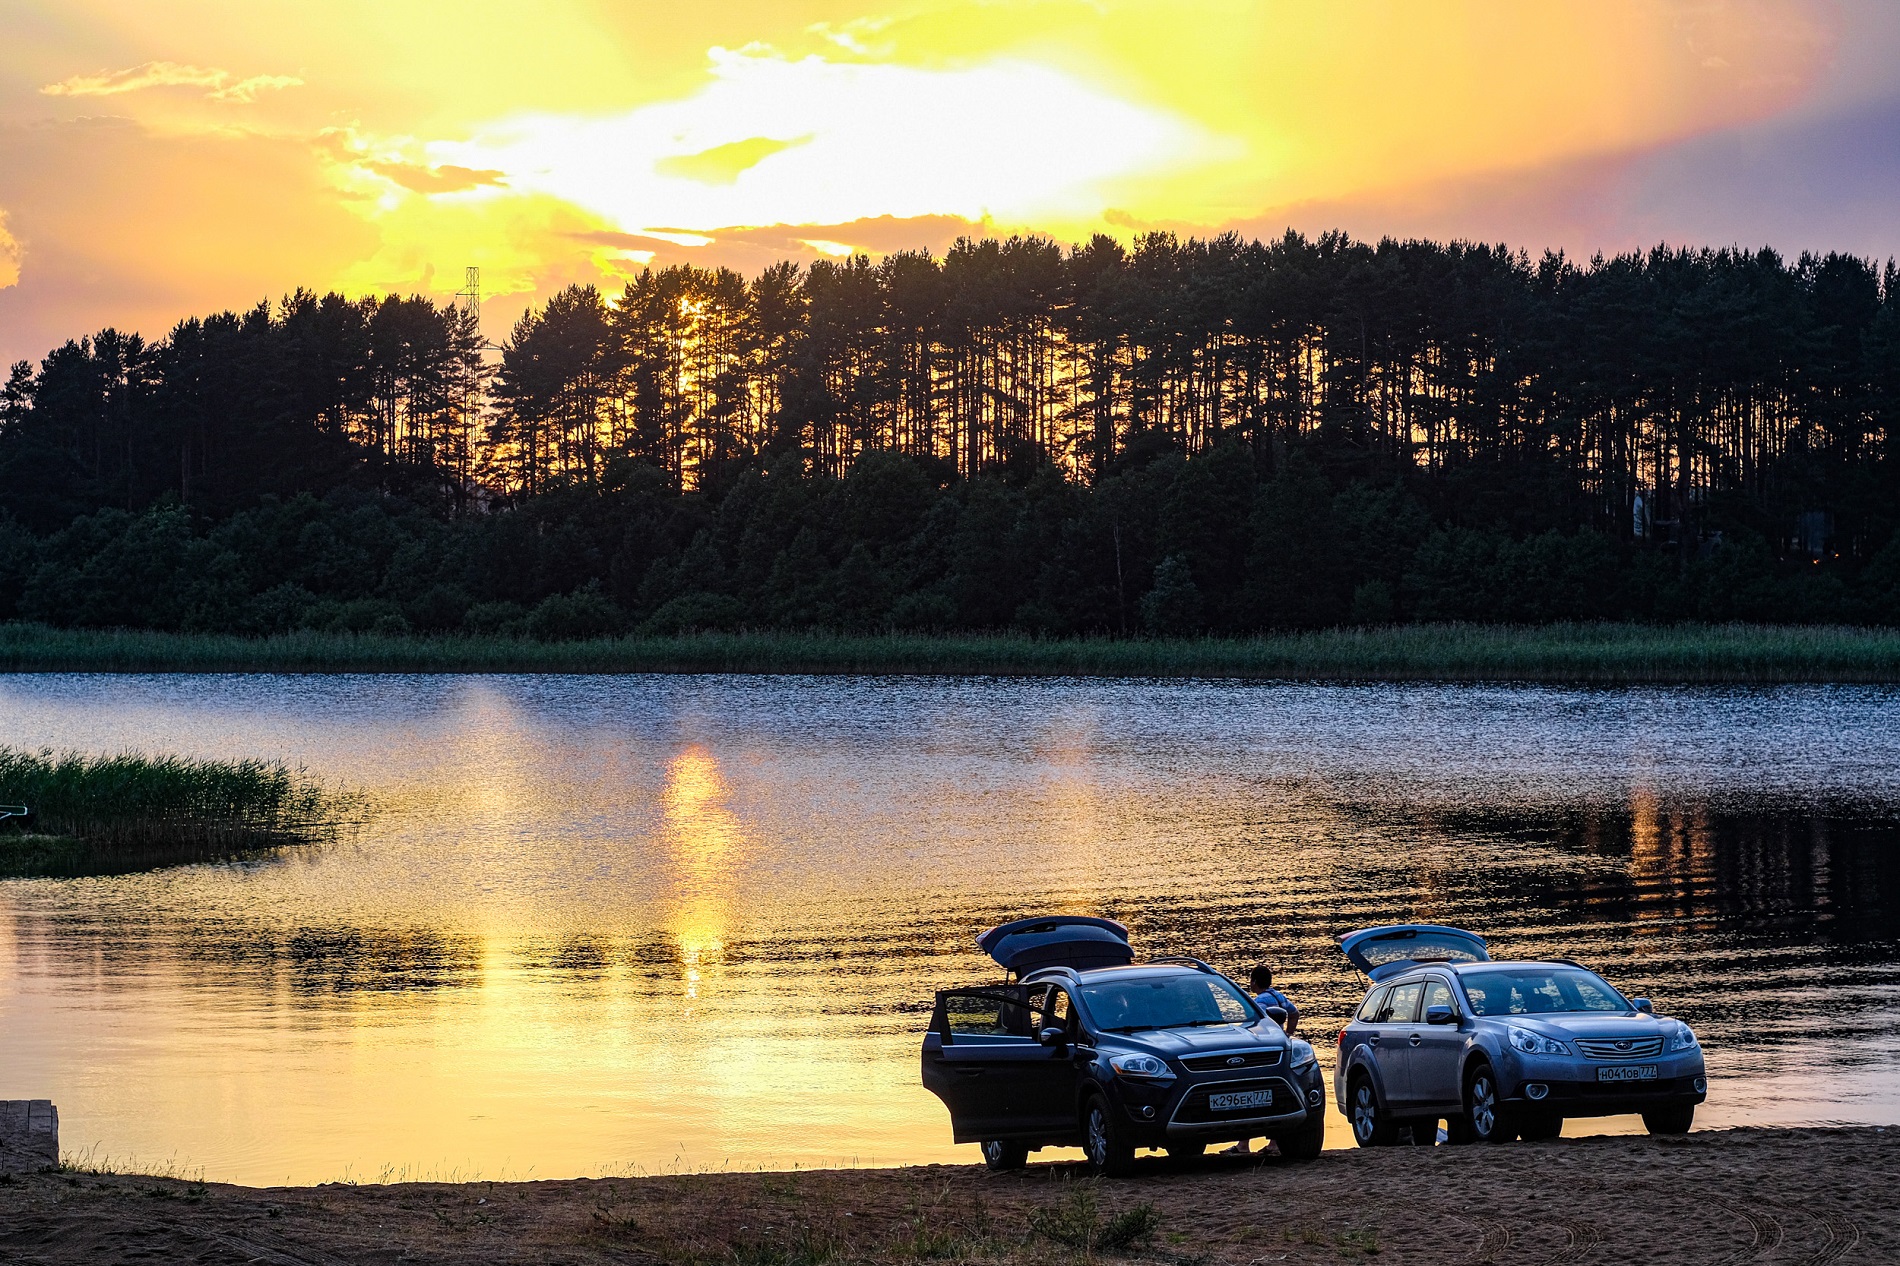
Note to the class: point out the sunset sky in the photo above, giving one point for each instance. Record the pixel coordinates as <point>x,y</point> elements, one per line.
<point>170,157</point>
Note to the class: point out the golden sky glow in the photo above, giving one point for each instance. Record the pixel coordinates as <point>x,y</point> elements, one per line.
<point>170,156</point>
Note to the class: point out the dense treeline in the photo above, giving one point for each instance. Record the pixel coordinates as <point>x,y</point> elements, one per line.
<point>1184,436</point>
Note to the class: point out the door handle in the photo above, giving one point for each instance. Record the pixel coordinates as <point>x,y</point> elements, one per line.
<point>1416,1039</point>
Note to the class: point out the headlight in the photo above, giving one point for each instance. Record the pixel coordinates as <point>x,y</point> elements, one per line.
<point>1146,1066</point>
<point>1536,1043</point>
<point>1684,1040</point>
<point>1302,1054</point>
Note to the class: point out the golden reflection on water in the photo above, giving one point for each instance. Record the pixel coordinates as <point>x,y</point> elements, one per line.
<point>704,839</point>
<point>614,925</point>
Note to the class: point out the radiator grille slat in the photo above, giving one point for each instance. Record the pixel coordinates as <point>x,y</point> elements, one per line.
<point>1619,1047</point>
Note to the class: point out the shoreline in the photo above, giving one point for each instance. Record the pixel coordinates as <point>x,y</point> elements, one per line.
<point>1813,1195</point>
<point>1580,654</point>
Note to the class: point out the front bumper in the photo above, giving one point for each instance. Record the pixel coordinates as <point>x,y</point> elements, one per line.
<point>1605,1099</point>
<point>1179,1113</point>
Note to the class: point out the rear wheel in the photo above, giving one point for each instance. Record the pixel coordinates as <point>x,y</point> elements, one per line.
<point>1002,1154</point>
<point>1371,1127</point>
<point>1535,1129</point>
<point>1104,1141</point>
<point>1484,1115</point>
<point>1306,1144</point>
<point>1676,1120</point>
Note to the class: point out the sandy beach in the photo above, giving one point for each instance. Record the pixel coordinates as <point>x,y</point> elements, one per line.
<point>1771,1196</point>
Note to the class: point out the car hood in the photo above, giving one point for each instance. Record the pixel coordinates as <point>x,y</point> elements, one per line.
<point>1215,1037</point>
<point>1593,1024</point>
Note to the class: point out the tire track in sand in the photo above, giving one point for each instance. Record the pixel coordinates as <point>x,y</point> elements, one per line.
<point>1764,1232</point>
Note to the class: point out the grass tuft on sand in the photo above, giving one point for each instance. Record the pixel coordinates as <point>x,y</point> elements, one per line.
<point>109,814</point>
<point>1606,653</point>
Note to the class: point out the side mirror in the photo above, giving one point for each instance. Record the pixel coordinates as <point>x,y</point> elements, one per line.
<point>1644,1005</point>
<point>1440,1014</point>
<point>1053,1036</point>
<point>1276,1014</point>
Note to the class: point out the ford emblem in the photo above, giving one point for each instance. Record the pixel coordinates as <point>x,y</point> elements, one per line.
<point>1236,1061</point>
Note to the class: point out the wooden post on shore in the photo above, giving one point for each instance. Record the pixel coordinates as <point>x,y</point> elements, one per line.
<point>29,1135</point>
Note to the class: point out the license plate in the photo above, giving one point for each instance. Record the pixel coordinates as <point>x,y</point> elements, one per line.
<point>1240,1099</point>
<point>1628,1072</point>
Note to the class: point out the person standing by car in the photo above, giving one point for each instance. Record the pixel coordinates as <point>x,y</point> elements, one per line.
<point>1260,985</point>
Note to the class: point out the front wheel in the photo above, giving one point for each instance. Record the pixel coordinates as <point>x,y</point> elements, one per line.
<point>1676,1120</point>
<point>1484,1115</point>
<point>1104,1142</point>
<point>1307,1143</point>
<point>1001,1154</point>
<point>1371,1127</point>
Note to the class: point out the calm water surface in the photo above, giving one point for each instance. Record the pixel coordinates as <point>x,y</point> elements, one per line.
<point>625,924</point>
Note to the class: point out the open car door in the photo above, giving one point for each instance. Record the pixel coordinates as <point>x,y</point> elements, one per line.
<point>981,1057</point>
<point>1386,951</point>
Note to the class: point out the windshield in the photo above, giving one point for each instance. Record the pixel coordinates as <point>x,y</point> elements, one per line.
<point>1540,991</point>
<point>1167,1002</point>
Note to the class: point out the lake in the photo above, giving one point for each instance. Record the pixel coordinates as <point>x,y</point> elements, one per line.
<point>611,925</point>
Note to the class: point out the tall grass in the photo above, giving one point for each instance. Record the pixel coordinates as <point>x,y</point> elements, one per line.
<point>129,811</point>
<point>1455,652</point>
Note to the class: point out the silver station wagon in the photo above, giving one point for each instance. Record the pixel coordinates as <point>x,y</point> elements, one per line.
<point>1500,1050</point>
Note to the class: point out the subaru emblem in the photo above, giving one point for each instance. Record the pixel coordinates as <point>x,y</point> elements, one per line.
<point>1623,1046</point>
<point>1236,1061</point>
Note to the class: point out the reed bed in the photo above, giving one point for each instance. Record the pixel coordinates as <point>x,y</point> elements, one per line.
<point>95,814</point>
<point>1607,653</point>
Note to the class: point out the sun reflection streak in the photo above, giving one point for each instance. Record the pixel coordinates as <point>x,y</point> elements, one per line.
<point>703,838</point>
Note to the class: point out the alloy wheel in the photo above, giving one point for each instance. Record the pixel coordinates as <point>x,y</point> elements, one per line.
<point>1365,1112</point>
<point>993,1151</point>
<point>1484,1106</point>
<point>1098,1136</point>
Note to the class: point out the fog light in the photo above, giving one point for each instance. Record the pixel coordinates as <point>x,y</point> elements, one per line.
<point>1536,1091</point>
<point>1702,1085</point>
<point>1148,1110</point>
<point>1315,1097</point>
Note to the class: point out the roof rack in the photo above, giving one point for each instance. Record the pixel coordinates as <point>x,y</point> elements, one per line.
<point>1186,961</point>
<point>1067,972</point>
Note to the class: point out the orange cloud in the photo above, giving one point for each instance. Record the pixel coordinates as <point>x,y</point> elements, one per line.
<point>10,254</point>
<point>223,85</point>
<point>418,178</point>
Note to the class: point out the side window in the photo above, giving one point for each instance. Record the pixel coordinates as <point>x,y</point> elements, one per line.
<point>1438,994</point>
<point>1369,1010</point>
<point>1061,1012</point>
<point>1401,1006</point>
<point>985,1015</point>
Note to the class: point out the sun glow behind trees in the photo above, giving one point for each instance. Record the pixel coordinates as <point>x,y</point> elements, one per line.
<point>162,159</point>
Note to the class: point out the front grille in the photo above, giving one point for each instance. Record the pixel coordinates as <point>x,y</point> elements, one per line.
<point>1232,1059</point>
<point>1194,1109</point>
<point>1619,1047</point>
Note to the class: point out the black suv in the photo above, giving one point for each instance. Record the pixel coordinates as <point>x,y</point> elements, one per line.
<point>1086,1048</point>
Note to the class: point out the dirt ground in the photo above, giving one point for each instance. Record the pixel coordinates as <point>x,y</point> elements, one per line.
<point>1769,1196</point>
